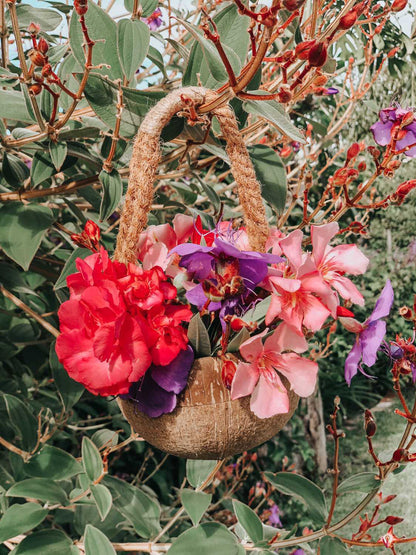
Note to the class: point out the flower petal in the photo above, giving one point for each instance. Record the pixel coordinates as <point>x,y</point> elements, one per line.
<point>301,373</point>
<point>384,303</point>
<point>371,339</point>
<point>349,259</point>
<point>320,237</point>
<point>292,248</point>
<point>269,398</point>
<point>253,347</point>
<point>174,376</point>
<point>352,361</point>
<point>150,398</point>
<point>286,338</point>
<point>244,381</point>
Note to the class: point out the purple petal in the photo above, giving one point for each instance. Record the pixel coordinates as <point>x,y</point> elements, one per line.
<point>174,376</point>
<point>371,339</point>
<point>252,272</point>
<point>199,264</point>
<point>383,304</point>
<point>197,297</point>
<point>352,361</point>
<point>233,252</point>
<point>331,90</point>
<point>388,114</point>
<point>190,248</point>
<point>408,139</point>
<point>150,398</point>
<point>382,132</point>
<point>413,368</point>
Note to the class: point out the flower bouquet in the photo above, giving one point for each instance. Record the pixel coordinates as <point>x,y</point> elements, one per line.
<point>203,333</point>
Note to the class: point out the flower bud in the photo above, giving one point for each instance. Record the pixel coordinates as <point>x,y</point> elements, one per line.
<point>407,119</point>
<point>348,20</point>
<point>400,455</point>
<point>362,166</point>
<point>392,520</point>
<point>317,55</point>
<point>406,313</point>
<point>303,48</point>
<point>35,89</point>
<point>81,6</point>
<point>284,95</point>
<point>285,152</point>
<point>228,371</point>
<point>369,424</point>
<point>92,231</point>
<point>344,312</point>
<point>320,80</point>
<point>33,28</point>
<point>37,58</point>
<point>43,46</point>
<point>46,70</point>
<point>375,153</point>
<point>353,151</point>
<point>398,5</point>
<point>293,5</point>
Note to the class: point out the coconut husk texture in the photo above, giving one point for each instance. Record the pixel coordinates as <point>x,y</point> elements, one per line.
<point>207,423</point>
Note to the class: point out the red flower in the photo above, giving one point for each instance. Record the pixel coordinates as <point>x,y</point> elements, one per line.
<point>117,323</point>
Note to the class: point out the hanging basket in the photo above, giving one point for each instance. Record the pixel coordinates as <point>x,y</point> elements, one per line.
<point>207,423</point>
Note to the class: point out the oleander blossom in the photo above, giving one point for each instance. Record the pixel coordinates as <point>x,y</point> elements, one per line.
<point>260,377</point>
<point>396,123</point>
<point>118,321</point>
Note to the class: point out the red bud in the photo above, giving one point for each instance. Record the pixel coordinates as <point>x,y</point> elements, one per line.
<point>353,151</point>
<point>392,520</point>
<point>344,312</point>
<point>293,5</point>
<point>37,58</point>
<point>348,20</point>
<point>369,424</point>
<point>33,28</point>
<point>43,46</point>
<point>35,89</point>
<point>398,5</point>
<point>81,6</point>
<point>303,48</point>
<point>227,372</point>
<point>93,231</point>
<point>317,55</point>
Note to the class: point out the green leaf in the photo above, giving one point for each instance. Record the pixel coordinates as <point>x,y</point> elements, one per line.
<point>249,521</point>
<point>206,539</point>
<point>8,78</point>
<point>69,390</point>
<point>42,168</point>
<point>198,337</point>
<point>103,30</point>
<point>22,420</point>
<point>195,503</point>
<point>101,95</point>
<point>332,546</point>
<point>304,490</point>
<point>363,482</point>
<point>13,106</point>
<point>156,58</point>
<point>102,498</point>
<point>259,312</point>
<point>133,38</point>
<point>46,542</point>
<point>112,191</point>
<point>274,113</point>
<point>197,471</point>
<point>91,459</point>
<point>105,437</point>
<point>14,170</point>
<point>234,344</point>
<point>96,542</point>
<point>209,53</point>
<point>147,6</point>
<point>42,489</point>
<point>141,510</point>
<point>232,28</point>
<point>19,519</point>
<point>271,173</point>
<point>53,463</point>
<point>47,19</point>
<point>58,153</point>
<point>22,229</point>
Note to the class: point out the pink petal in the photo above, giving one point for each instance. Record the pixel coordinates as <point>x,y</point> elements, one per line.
<point>320,236</point>
<point>157,255</point>
<point>286,338</point>
<point>347,258</point>
<point>287,284</point>
<point>292,248</point>
<point>315,283</point>
<point>183,226</point>
<point>301,373</point>
<point>315,314</point>
<point>253,347</point>
<point>244,381</point>
<point>269,398</point>
<point>347,290</point>
<point>274,309</point>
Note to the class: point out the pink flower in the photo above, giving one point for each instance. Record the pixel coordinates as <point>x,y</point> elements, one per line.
<point>259,376</point>
<point>109,331</point>
<point>334,262</point>
<point>295,293</point>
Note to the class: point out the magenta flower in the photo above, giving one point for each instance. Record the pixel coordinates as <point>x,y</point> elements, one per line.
<point>260,375</point>
<point>391,124</point>
<point>369,335</point>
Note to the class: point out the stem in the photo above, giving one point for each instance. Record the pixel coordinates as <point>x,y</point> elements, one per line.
<point>4,34</point>
<point>22,61</point>
<point>28,310</point>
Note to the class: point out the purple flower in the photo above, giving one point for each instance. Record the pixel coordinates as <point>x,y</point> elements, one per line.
<point>274,519</point>
<point>391,120</point>
<point>154,21</point>
<point>298,552</point>
<point>369,335</point>
<point>331,90</point>
<point>156,393</point>
<point>225,274</point>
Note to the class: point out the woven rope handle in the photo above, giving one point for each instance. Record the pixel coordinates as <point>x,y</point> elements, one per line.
<point>146,157</point>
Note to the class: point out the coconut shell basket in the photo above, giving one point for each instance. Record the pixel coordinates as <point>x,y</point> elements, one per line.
<point>207,423</point>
